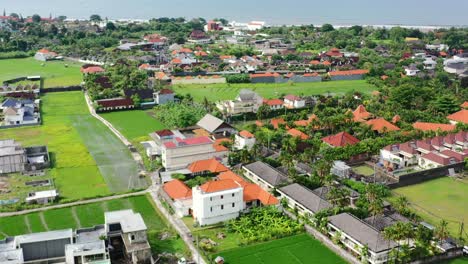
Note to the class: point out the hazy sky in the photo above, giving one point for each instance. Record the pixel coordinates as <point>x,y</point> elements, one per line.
<point>413,12</point>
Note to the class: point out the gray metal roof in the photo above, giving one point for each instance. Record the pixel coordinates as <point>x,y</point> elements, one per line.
<point>44,236</point>
<point>362,232</point>
<point>267,173</point>
<point>383,221</point>
<point>248,95</point>
<point>210,123</point>
<point>305,197</point>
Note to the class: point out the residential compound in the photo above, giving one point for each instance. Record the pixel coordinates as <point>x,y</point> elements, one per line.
<point>426,154</point>
<point>17,112</point>
<point>220,199</point>
<point>123,236</point>
<point>178,148</point>
<point>15,158</point>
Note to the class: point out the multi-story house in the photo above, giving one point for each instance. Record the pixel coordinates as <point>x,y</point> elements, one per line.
<point>244,139</point>
<point>246,102</point>
<point>20,112</point>
<point>264,175</point>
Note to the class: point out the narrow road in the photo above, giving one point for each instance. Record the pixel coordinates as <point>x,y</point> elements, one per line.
<point>73,204</point>
<point>176,222</point>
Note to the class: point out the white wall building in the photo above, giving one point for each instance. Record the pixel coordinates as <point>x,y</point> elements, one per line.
<point>217,201</point>
<point>244,139</point>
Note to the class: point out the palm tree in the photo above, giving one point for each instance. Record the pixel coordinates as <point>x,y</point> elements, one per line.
<point>375,207</point>
<point>441,231</point>
<point>402,204</point>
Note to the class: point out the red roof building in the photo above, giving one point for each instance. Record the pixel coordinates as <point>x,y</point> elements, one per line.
<point>92,70</point>
<point>464,105</point>
<point>423,126</point>
<point>275,122</point>
<point>334,52</point>
<point>177,189</point>
<point>361,114</point>
<point>340,140</point>
<point>246,134</point>
<point>459,117</point>
<point>273,102</point>
<point>350,72</point>
<point>208,165</point>
<point>188,141</point>
<point>296,133</point>
<point>220,185</point>
<point>381,125</point>
<point>115,103</point>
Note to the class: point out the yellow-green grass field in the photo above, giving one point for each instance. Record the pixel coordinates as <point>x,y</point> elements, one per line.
<point>215,92</point>
<point>87,158</point>
<point>443,198</point>
<point>55,73</point>
<point>89,215</point>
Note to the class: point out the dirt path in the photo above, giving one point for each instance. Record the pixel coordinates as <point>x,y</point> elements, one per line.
<point>28,225</point>
<point>75,216</point>
<point>44,222</point>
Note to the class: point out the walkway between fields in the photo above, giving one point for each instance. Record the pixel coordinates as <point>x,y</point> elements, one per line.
<point>102,199</point>
<point>136,156</point>
<point>176,222</point>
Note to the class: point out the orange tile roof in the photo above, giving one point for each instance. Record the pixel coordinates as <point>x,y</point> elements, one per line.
<point>229,175</point>
<point>273,102</point>
<point>460,116</point>
<point>211,165</point>
<point>433,126</point>
<point>176,61</point>
<point>381,125</point>
<point>267,74</point>
<point>92,69</point>
<point>275,122</point>
<point>259,123</point>
<point>253,192</point>
<point>384,77</point>
<point>314,62</point>
<point>218,146</point>
<point>464,105</point>
<point>177,189</point>
<point>246,134</point>
<point>296,133</point>
<point>361,114</point>
<point>327,63</point>
<point>220,185</point>
<point>351,72</point>
<point>396,119</point>
<point>144,66</point>
<point>302,123</point>
<point>340,140</point>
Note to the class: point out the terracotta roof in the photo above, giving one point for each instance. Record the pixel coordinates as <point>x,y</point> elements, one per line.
<point>267,74</point>
<point>340,140</point>
<point>218,146</point>
<point>361,114</point>
<point>381,125</point>
<point>272,102</point>
<point>396,119</point>
<point>275,122</point>
<point>116,102</point>
<point>384,77</point>
<point>246,134</point>
<point>229,175</point>
<point>437,158</point>
<point>177,189</point>
<point>176,61</point>
<point>296,133</point>
<point>314,62</point>
<point>292,97</point>
<point>464,105</point>
<point>166,91</point>
<point>211,165</point>
<point>302,123</point>
<point>350,72</point>
<point>144,66</point>
<point>433,126</point>
<point>254,192</point>
<point>327,63</point>
<point>92,69</point>
<point>220,185</point>
<point>460,116</point>
<point>258,123</point>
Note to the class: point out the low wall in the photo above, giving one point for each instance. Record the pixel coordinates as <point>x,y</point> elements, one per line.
<point>347,77</point>
<point>24,125</point>
<point>62,89</point>
<point>426,175</point>
<point>440,258</point>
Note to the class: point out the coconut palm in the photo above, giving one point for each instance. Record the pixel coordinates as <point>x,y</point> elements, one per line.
<point>441,231</point>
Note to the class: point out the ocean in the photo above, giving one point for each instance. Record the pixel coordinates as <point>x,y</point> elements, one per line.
<point>274,12</point>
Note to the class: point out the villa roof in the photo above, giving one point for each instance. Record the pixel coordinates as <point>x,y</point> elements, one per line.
<point>361,114</point>
<point>218,144</point>
<point>275,122</point>
<point>211,165</point>
<point>164,133</point>
<point>460,116</point>
<point>350,72</point>
<point>433,126</point>
<point>267,173</point>
<point>341,139</point>
<point>246,134</point>
<point>176,189</point>
<point>219,185</point>
<point>296,133</point>
<point>272,102</point>
<point>381,125</point>
<point>292,97</point>
<point>254,192</point>
<point>92,69</point>
<point>464,105</point>
<point>439,159</point>
<point>305,197</point>
<point>230,175</point>
<point>115,102</point>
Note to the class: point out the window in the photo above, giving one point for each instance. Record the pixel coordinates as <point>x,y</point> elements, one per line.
<point>222,207</point>
<point>133,237</point>
<point>233,204</point>
<point>211,209</point>
<point>233,194</point>
<point>211,198</point>
<point>222,196</point>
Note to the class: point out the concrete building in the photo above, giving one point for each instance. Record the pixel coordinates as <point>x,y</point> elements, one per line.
<point>247,102</point>
<point>15,158</point>
<point>179,153</point>
<point>164,96</point>
<point>216,126</point>
<point>217,201</point>
<point>244,139</point>
<point>46,55</point>
<point>355,234</point>
<point>20,112</point>
<point>42,197</point>
<point>293,102</point>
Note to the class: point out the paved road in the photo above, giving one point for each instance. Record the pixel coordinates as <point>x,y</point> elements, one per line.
<point>73,204</point>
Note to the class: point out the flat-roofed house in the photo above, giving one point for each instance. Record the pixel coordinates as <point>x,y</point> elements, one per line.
<point>42,197</point>
<point>179,153</point>
<point>264,175</point>
<point>244,139</point>
<point>355,234</point>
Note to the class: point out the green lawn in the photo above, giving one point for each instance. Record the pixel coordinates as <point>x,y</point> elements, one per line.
<point>300,249</point>
<point>457,261</point>
<point>215,92</point>
<point>54,72</point>
<point>443,198</point>
<point>93,214</point>
<point>88,159</point>
<point>134,124</point>
<point>364,170</point>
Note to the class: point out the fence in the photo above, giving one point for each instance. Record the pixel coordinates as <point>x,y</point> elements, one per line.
<point>441,257</point>
<point>62,89</point>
